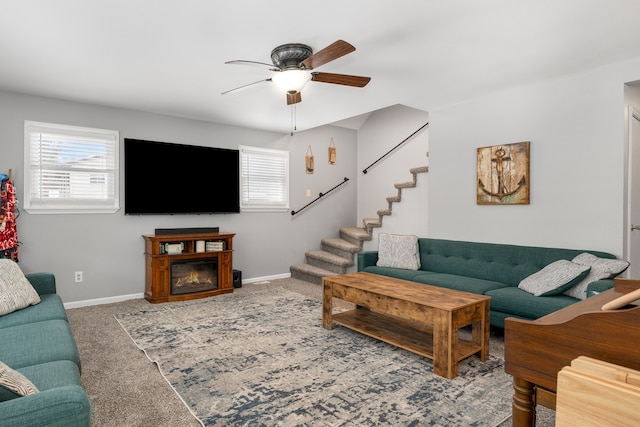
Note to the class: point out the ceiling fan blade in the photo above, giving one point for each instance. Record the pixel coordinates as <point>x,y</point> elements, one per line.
<point>243,62</point>
<point>329,53</point>
<point>245,86</point>
<point>340,79</point>
<point>294,98</point>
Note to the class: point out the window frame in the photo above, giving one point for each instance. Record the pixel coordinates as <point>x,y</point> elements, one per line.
<point>70,205</point>
<point>246,205</point>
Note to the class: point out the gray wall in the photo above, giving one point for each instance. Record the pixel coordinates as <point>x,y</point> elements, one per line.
<point>109,248</point>
<point>576,126</point>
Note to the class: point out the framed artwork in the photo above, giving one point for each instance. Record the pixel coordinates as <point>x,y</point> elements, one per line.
<point>503,174</point>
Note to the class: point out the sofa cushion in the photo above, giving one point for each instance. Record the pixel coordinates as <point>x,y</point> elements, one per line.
<point>66,406</point>
<point>15,290</point>
<point>460,283</point>
<point>50,307</point>
<point>522,304</point>
<point>43,283</point>
<point>13,384</point>
<point>398,273</point>
<point>54,374</point>
<point>40,342</point>
<point>601,268</point>
<point>555,278</point>
<point>398,251</point>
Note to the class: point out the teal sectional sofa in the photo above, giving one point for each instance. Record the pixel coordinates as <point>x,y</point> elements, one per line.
<point>37,342</point>
<point>490,269</point>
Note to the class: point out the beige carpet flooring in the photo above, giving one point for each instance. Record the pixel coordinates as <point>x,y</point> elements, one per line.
<point>126,389</point>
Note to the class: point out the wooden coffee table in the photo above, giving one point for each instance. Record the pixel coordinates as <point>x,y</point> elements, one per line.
<point>420,318</point>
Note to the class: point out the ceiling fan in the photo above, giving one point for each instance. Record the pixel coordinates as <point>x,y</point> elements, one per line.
<point>293,63</point>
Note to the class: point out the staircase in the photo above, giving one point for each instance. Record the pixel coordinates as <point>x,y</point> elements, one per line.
<point>338,253</point>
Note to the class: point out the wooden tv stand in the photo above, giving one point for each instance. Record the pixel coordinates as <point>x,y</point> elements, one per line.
<point>158,261</point>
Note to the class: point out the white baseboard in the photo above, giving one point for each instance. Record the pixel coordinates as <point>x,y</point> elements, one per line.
<point>99,301</point>
<point>267,278</point>
<point>109,300</point>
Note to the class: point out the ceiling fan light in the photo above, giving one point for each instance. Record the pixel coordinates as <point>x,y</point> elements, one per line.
<point>292,81</point>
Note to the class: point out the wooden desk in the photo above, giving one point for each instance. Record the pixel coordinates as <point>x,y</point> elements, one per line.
<point>535,351</point>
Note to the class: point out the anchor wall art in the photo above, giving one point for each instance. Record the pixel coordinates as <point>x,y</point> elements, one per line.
<point>503,174</point>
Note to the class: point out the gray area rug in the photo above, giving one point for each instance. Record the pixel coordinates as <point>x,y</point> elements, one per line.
<point>263,359</point>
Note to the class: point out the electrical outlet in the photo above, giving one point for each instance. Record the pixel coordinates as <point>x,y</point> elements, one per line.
<point>308,192</point>
<point>78,276</point>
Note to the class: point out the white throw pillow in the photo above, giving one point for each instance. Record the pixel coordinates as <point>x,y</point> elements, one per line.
<point>15,383</point>
<point>398,251</point>
<point>555,278</point>
<point>601,268</point>
<point>15,290</point>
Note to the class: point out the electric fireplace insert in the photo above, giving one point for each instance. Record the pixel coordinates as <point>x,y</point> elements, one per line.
<point>194,275</point>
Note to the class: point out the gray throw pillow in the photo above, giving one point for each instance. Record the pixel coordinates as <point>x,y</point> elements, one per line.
<point>398,251</point>
<point>15,290</point>
<point>555,278</point>
<point>601,268</point>
<point>13,384</point>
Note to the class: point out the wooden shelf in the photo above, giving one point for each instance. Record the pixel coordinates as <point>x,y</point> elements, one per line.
<point>158,264</point>
<point>398,332</point>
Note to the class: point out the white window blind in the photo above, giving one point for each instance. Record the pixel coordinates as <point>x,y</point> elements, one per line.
<point>70,169</point>
<point>264,179</point>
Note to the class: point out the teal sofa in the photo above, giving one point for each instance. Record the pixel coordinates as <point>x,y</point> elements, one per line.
<point>37,342</point>
<point>489,269</point>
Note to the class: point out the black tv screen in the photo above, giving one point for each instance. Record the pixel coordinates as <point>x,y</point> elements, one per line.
<point>168,178</point>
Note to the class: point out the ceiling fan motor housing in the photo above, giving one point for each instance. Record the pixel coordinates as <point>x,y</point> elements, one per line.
<point>289,56</point>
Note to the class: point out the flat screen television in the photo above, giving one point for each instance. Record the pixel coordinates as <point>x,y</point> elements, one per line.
<point>163,178</point>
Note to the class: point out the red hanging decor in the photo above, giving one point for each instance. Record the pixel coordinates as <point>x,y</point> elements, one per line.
<point>8,232</point>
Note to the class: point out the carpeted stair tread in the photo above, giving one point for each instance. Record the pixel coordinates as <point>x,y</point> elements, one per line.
<point>356,233</point>
<point>341,244</point>
<point>328,257</point>
<point>420,169</point>
<point>309,273</point>
<point>372,222</point>
<point>384,212</point>
<point>408,184</point>
<point>307,268</point>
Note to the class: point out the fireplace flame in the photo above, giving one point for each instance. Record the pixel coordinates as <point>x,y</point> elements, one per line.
<point>193,278</point>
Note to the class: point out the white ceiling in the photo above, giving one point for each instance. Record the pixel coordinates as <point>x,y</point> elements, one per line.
<point>167,56</point>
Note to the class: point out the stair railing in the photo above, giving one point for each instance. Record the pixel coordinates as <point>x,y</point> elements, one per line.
<point>319,197</point>
<point>390,151</point>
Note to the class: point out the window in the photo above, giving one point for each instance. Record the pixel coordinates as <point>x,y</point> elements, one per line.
<point>70,169</point>
<point>264,179</point>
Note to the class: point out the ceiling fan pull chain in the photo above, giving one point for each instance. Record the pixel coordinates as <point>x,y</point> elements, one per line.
<point>294,127</point>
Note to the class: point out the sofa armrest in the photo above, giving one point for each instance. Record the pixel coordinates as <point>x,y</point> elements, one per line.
<point>61,406</point>
<point>599,286</point>
<point>43,283</point>
<point>367,259</point>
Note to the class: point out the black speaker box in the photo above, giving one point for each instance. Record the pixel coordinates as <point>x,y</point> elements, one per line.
<point>237,278</point>
<point>195,230</point>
